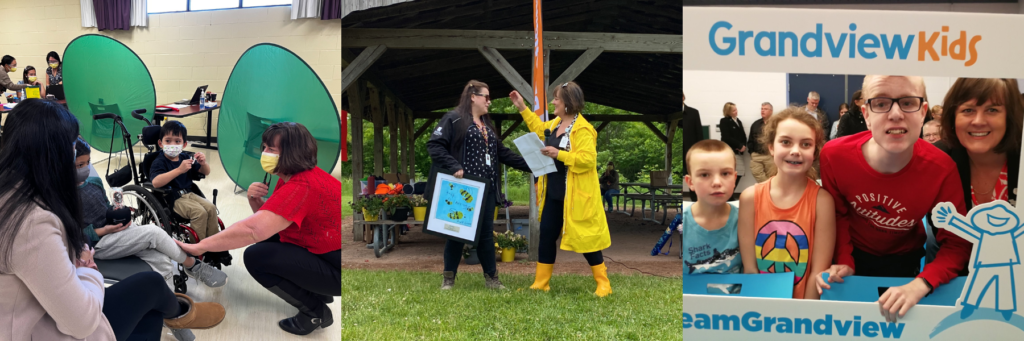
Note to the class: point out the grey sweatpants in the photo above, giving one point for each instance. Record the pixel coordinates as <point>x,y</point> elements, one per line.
<point>148,242</point>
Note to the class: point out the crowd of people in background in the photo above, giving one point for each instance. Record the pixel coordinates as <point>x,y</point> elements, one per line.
<point>30,76</point>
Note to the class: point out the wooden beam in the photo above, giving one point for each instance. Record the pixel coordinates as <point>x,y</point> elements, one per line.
<point>506,71</point>
<point>575,69</point>
<point>508,132</point>
<point>392,137</point>
<point>378,132</point>
<point>657,132</point>
<point>356,103</point>
<point>423,128</point>
<point>603,124</point>
<point>361,64</point>
<point>371,76</point>
<point>509,40</point>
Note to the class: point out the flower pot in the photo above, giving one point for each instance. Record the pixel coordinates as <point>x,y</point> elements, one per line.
<point>508,254</point>
<point>401,214</point>
<point>419,213</point>
<point>370,217</point>
<point>473,259</point>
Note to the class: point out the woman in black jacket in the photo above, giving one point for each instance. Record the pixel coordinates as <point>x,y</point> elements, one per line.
<point>988,164</point>
<point>734,135</point>
<point>466,142</point>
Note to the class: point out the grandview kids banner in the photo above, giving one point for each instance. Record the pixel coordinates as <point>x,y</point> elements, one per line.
<point>852,42</point>
<point>847,42</point>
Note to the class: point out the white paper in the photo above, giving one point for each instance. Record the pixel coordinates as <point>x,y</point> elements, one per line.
<point>530,145</point>
<point>177,106</point>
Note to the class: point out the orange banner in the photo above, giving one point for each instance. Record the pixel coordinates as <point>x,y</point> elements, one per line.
<point>539,84</point>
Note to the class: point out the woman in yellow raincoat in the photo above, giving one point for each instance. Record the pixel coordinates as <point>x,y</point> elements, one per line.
<point>569,199</point>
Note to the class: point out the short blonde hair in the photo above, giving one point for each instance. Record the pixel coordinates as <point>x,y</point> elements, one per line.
<point>933,123</point>
<point>706,146</point>
<point>813,95</point>
<point>936,107</point>
<point>727,109</point>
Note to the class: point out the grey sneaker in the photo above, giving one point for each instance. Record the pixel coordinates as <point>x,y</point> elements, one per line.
<point>183,334</point>
<point>207,274</point>
<point>493,282</point>
<point>449,280</point>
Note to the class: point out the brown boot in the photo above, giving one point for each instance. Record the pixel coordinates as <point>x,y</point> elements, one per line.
<point>449,280</point>
<point>493,282</point>
<point>202,315</point>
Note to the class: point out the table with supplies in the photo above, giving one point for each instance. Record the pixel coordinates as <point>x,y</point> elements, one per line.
<point>190,110</point>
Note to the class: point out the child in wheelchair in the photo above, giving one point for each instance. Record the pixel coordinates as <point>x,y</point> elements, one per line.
<point>170,172</point>
<point>112,233</point>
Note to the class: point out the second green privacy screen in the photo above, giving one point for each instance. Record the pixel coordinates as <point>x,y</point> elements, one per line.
<point>268,85</point>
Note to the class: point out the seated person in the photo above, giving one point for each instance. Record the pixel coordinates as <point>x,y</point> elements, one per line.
<point>29,78</point>
<point>170,172</point>
<point>148,242</point>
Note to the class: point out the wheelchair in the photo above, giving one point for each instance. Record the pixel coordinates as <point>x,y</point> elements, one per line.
<point>148,204</point>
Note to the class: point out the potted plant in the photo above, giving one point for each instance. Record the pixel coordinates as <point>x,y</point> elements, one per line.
<point>419,207</point>
<point>357,209</point>
<point>398,207</point>
<point>372,205</point>
<point>509,242</point>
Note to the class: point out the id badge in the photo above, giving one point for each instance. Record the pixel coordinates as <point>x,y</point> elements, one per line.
<point>565,140</point>
<point>488,159</point>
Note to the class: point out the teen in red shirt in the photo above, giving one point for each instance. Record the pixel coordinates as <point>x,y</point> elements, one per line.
<point>297,232</point>
<point>884,181</point>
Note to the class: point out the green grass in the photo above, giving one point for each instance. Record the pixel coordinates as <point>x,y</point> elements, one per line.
<point>520,195</point>
<point>398,305</point>
<point>346,197</point>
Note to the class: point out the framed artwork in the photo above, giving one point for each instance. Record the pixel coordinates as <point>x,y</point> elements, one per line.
<point>455,207</point>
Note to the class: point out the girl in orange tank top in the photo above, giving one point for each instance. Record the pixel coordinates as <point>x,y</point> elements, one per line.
<point>787,224</point>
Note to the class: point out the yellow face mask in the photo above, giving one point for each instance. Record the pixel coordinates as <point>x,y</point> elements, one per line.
<point>269,162</point>
<point>54,65</point>
<point>31,78</point>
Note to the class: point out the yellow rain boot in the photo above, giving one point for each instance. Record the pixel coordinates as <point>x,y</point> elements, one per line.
<point>604,287</point>
<point>543,276</point>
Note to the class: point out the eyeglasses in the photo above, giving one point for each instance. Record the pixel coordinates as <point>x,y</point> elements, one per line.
<point>487,97</point>
<point>882,105</point>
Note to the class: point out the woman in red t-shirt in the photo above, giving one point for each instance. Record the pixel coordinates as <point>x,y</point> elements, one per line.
<point>297,232</point>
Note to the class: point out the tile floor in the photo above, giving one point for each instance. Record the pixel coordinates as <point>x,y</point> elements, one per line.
<point>252,311</point>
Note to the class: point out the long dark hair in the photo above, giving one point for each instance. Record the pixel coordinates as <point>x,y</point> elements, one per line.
<point>465,107</point>
<point>1001,91</point>
<point>54,55</point>
<point>38,137</point>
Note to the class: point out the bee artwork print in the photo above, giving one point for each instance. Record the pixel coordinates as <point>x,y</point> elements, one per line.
<point>455,215</point>
<point>466,196</point>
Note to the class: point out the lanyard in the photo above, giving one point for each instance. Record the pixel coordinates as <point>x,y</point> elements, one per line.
<point>568,142</point>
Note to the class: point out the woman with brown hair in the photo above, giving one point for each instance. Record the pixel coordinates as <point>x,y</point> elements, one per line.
<point>294,237</point>
<point>465,141</point>
<point>982,134</point>
<point>569,199</point>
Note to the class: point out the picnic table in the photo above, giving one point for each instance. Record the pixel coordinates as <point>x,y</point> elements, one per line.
<point>385,232</point>
<point>659,196</point>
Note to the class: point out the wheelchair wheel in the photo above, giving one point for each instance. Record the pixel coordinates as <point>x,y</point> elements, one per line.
<point>146,207</point>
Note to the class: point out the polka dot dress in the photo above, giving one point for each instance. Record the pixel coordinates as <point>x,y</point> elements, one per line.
<point>477,150</point>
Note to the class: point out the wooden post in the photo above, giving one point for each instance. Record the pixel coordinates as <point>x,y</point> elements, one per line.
<point>356,103</point>
<point>378,133</point>
<point>412,144</point>
<point>393,137</point>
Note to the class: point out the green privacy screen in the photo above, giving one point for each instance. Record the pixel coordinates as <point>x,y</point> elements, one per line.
<point>270,84</point>
<point>102,75</point>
